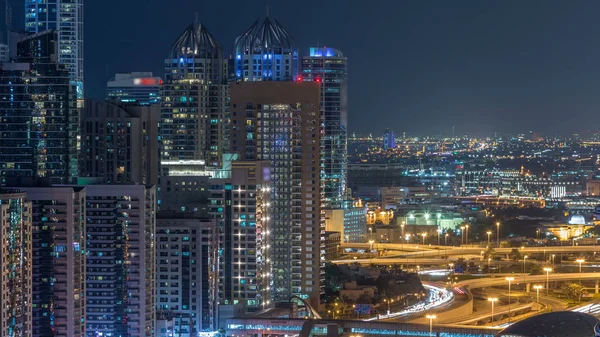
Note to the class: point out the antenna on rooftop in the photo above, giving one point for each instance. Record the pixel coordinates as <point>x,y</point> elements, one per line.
<point>267,10</point>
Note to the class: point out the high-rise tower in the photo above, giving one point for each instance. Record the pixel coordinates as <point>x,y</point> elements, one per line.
<point>266,52</point>
<point>39,122</point>
<point>328,66</point>
<point>194,109</point>
<point>280,123</point>
<point>65,16</point>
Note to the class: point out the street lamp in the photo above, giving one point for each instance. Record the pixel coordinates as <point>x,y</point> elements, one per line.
<point>547,270</point>
<point>423,235</point>
<point>402,226</point>
<point>431,318</point>
<point>388,303</point>
<point>489,234</point>
<point>580,261</point>
<point>509,279</point>
<point>467,235</point>
<point>537,288</point>
<point>462,234</point>
<point>439,232</point>
<point>497,235</point>
<point>489,260</point>
<point>493,300</point>
<point>446,239</point>
<point>524,259</point>
<point>553,255</point>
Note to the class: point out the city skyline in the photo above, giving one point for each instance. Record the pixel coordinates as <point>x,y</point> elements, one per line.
<point>449,59</point>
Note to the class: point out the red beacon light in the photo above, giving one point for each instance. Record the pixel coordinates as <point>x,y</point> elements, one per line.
<point>318,80</point>
<point>299,79</point>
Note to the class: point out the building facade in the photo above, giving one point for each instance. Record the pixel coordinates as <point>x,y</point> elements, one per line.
<point>15,264</point>
<point>350,221</point>
<point>280,123</point>
<point>66,17</point>
<point>329,67</point>
<point>240,206</point>
<point>120,142</point>
<point>186,274</point>
<point>266,52</point>
<point>139,87</point>
<point>121,257</point>
<point>39,123</point>
<point>194,108</point>
<point>58,278</point>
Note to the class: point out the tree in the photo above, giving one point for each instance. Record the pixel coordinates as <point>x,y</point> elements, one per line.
<point>489,253</point>
<point>573,291</point>
<point>534,269</point>
<point>515,254</point>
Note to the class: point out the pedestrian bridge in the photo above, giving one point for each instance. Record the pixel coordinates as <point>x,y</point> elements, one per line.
<point>335,328</point>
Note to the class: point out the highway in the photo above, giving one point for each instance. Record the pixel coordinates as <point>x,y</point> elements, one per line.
<point>501,281</point>
<point>420,252</point>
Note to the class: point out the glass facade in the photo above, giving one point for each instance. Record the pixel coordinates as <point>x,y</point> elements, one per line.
<point>39,122</point>
<point>65,16</point>
<point>328,66</point>
<point>194,110</point>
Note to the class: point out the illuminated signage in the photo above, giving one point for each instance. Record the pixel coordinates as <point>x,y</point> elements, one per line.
<point>147,81</point>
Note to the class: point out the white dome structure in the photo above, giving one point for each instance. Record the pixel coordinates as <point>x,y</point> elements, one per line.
<point>577,220</point>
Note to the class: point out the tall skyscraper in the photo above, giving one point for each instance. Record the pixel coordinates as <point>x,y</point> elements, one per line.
<point>15,264</point>
<point>194,113</point>
<point>39,122</point>
<point>66,17</point>
<point>119,142</point>
<point>329,67</point>
<point>121,247</point>
<point>280,123</point>
<point>138,87</point>
<point>389,139</point>
<point>240,206</point>
<point>58,281</point>
<point>186,274</point>
<point>266,52</point>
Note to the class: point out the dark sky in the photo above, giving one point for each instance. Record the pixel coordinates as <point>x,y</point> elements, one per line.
<point>415,66</point>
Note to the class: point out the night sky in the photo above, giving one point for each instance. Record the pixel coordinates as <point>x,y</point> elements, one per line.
<point>415,66</point>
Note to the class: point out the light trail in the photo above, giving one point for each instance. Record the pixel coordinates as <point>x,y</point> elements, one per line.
<point>437,297</point>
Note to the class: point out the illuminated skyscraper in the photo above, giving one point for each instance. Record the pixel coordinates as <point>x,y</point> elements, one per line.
<point>58,281</point>
<point>328,66</point>
<point>266,52</point>
<point>120,142</point>
<point>194,113</point>
<point>186,274</point>
<point>280,123</point>
<point>15,264</point>
<point>40,121</point>
<point>389,139</point>
<point>65,16</point>
<point>240,206</point>
<point>121,253</point>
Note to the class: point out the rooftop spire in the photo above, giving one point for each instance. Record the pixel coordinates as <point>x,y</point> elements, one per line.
<point>267,10</point>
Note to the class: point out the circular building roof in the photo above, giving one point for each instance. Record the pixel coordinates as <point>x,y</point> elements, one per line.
<point>554,324</point>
